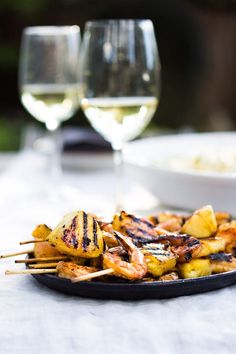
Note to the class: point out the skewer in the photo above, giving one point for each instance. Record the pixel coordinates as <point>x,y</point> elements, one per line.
<point>92,275</point>
<point>46,259</point>
<point>15,253</point>
<point>31,241</point>
<point>47,271</point>
<point>43,265</point>
<point>30,271</point>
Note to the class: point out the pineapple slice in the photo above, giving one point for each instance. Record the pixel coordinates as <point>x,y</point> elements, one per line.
<point>159,258</point>
<point>43,249</point>
<point>211,245</point>
<point>41,231</point>
<point>195,268</point>
<point>228,233</point>
<point>202,223</point>
<point>78,235</point>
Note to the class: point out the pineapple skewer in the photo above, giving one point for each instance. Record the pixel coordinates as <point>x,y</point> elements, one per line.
<point>42,259</point>
<point>13,254</point>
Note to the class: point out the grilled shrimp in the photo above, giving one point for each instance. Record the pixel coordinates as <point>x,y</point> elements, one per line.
<point>110,239</point>
<point>71,270</point>
<point>184,246</point>
<point>135,269</point>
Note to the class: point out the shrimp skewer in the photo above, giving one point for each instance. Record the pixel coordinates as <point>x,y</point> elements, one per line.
<point>135,269</point>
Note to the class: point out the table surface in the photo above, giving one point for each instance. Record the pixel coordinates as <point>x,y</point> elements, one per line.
<point>35,319</point>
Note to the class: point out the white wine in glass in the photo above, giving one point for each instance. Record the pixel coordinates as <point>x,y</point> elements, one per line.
<point>119,118</point>
<point>49,81</point>
<point>49,103</point>
<point>120,82</point>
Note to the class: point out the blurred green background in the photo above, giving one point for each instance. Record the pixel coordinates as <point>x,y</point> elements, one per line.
<point>197,45</point>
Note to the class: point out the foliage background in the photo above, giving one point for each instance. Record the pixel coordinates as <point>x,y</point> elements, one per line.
<point>197,45</point>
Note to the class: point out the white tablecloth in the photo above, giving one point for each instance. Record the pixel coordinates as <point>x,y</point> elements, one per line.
<point>34,319</point>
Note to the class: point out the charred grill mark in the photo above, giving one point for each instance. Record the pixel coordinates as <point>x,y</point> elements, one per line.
<point>193,243</point>
<point>227,257</point>
<point>69,235</point>
<point>154,219</point>
<point>95,236</point>
<point>188,256</point>
<point>86,239</point>
<point>140,221</point>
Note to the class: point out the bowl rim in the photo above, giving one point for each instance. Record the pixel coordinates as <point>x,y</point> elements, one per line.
<point>225,176</point>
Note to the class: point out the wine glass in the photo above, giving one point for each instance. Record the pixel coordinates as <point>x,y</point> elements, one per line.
<point>48,80</point>
<point>120,82</point>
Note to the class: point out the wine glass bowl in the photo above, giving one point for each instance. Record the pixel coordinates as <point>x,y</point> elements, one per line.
<point>120,77</point>
<point>48,75</point>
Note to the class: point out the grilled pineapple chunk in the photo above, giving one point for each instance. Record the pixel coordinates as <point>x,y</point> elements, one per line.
<point>222,262</point>
<point>195,268</point>
<point>222,217</point>
<point>139,229</point>
<point>211,245</point>
<point>159,258</point>
<point>78,235</point>
<point>41,231</point>
<point>228,233</point>
<point>202,223</point>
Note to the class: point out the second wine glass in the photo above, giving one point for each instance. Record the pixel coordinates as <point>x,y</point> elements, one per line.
<point>120,82</point>
<point>48,80</point>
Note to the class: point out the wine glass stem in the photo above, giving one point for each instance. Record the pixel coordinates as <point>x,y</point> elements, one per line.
<point>55,158</point>
<point>56,169</point>
<point>118,166</point>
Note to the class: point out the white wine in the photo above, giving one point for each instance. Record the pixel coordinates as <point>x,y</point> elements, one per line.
<point>50,103</point>
<point>119,119</point>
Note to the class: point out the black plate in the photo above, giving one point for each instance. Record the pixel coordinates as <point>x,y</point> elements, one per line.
<point>139,290</point>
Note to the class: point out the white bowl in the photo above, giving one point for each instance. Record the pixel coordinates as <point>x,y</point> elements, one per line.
<point>186,189</point>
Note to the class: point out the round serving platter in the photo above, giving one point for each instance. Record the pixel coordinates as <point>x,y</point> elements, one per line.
<point>139,290</point>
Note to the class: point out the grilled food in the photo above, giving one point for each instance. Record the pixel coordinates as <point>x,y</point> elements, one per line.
<point>162,247</point>
<point>183,246</point>
<point>222,217</point>
<point>215,263</point>
<point>195,268</point>
<point>133,269</point>
<point>78,235</point>
<point>201,224</point>
<point>168,221</point>
<point>41,232</point>
<point>169,276</point>
<point>222,262</point>
<point>159,258</point>
<point>211,245</point>
<point>139,229</point>
<point>228,233</point>
<point>71,270</point>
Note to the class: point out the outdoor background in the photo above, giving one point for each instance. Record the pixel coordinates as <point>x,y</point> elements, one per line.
<point>197,45</point>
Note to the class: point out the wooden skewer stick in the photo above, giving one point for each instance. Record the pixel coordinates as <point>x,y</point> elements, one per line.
<point>92,275</point>
<point>30,271</point>
<point>32,241</point>
<point>41,259</point>
<point>16,253</point>
<point>43,265</point>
